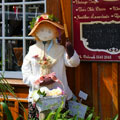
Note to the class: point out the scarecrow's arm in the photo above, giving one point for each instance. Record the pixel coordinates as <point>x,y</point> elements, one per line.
<point>28,77</point>
<point>74,61</point>
<point>71,57</point>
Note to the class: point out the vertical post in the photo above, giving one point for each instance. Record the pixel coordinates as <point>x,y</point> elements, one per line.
<point>24,29</point>
<point>115,88</point>
<point>3,36</point>
<point>16,113</point>
<point>95,86</point>
<point>45,7</point>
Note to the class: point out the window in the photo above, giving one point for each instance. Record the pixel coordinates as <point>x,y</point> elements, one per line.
<point>15,16</point>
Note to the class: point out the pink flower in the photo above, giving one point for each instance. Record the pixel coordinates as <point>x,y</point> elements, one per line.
<point>43,17</point>
<point>44,58</point>
<point>37,115</point>
<point>34,105</point>
<point>36,56</point>
<point>63,92</point>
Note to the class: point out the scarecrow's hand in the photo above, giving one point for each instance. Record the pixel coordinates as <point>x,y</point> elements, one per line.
<point>69,49</point>
<point>46,81</point>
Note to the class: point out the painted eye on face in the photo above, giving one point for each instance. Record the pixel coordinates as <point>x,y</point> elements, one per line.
<point>42,30</point>
<point>49,31</point>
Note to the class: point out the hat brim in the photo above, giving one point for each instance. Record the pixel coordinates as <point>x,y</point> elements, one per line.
<point>57,25</point>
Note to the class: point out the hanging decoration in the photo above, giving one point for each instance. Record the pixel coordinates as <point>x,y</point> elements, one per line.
<point>16,11</point>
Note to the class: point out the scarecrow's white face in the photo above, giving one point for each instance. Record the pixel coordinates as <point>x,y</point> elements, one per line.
<point>46,32</point>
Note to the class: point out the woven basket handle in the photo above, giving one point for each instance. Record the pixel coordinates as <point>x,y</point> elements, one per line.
<point>60,82</point>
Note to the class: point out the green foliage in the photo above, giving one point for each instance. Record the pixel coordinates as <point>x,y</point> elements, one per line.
<point>6,87</point>
<point>65,114</point>
<point>53,18</point>
<point>59,115</point>
<point>8,112</point>
<point>50,17</point>
<point>54,115</point>
<point>41,93</point>
<point>0,62</point>
<point>115,118</point>
<point>50,115</point>
<point>32,23</point>
<point>89,116</point>
<point>97,118</point>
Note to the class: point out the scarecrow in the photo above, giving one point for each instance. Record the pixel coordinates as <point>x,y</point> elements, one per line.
<point>46,60</point>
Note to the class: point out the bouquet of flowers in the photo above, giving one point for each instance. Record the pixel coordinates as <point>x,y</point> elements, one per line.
<point>45,92</point>
<point>45,64</point>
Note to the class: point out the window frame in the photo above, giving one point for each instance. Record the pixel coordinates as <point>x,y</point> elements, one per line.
<point>24,38</point>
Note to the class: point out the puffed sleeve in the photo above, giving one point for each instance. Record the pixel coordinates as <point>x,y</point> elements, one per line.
<point>28,77</point>
<point>74,61</point>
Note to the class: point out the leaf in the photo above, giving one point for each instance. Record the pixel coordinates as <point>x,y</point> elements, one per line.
<point>32,23</point>
<point>50,115</point>
<point>75,117</point>
<point>97,118</point>
<point>70,119</point>
<point>53,18</point>
<point>89,116</point>
<point>116,117</point>
<point>65,114</point>
<point>80,119</point>
<point>7,111</point>
<point>58,111</point>
<point>41,93</point>
<point>18,118</point>
<point>61,119</point>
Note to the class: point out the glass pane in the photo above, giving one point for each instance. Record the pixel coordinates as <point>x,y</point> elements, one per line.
<point>0,55</point>
<point>29,43</point>
<point>14,55</point>
<point>13,21</point>
<point>32,11</point>
<point>13,0</point>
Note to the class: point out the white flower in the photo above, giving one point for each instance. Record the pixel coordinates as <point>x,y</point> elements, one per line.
<point>44,89</point>
<point>55,92</point>
<point>37,19</point>
<point>45,16</point>
<point>35,96</point>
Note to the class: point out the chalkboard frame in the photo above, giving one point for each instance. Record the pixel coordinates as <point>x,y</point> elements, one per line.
<point>111,51</point>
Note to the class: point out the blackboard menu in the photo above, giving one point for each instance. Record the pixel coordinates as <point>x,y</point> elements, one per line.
<point>96,29</point>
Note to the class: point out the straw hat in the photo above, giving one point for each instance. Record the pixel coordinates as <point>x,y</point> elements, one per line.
<point>45,18</point>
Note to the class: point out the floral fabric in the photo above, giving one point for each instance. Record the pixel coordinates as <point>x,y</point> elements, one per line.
<point>32,112</point>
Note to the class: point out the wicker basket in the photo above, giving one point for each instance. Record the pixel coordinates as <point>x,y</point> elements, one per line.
<point>50,102</point>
